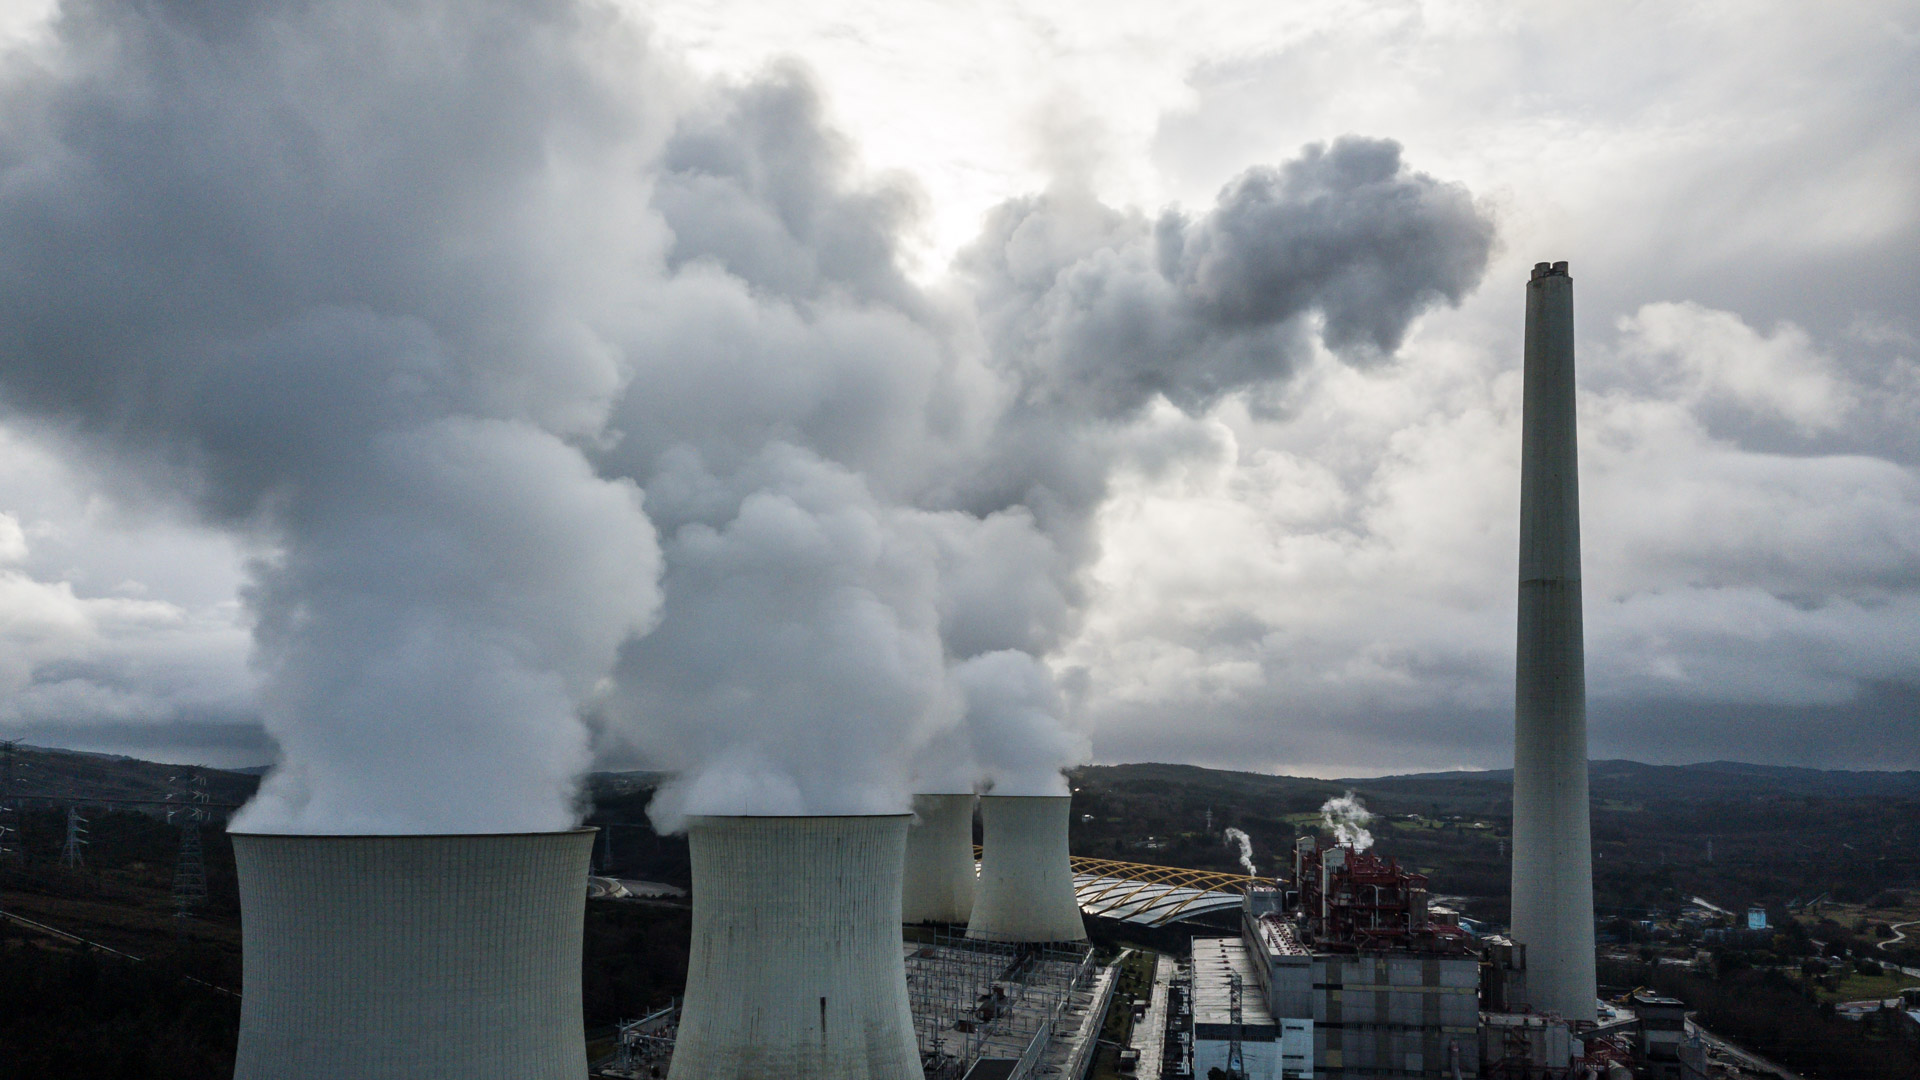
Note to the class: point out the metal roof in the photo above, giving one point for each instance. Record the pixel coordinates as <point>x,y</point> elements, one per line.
<point>1154,895</point>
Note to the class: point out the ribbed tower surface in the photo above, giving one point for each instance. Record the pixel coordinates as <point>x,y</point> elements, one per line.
<point>940,876</point>
<point>1026,881</point>
<point>412,957</point>
<point>1552,833</point>
<point>795,970</point>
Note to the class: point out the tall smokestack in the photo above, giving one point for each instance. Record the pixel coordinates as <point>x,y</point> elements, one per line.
<point>411,957</point>
<point>1552,839</point>
<point>1026,883</point>
<point>795,970</point>
<point>939,881</point>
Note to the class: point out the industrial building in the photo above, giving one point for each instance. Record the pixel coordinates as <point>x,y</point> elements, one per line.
<point>1352,958</point>
<point>1347,972</point>
<point>456,956</point>
<point>801,967</point>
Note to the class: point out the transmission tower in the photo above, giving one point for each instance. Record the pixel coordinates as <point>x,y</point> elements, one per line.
<point>190,872</point>
<point>71,854</point>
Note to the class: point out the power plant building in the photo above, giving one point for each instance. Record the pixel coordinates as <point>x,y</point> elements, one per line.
<point>1026,891</point>
<point>412,957</point>
<point>1382,986</point>
<point>1552,832</point>
<point>940,876</point>
<point>796,970</point>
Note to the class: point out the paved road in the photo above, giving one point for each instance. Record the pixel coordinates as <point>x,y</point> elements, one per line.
<point>1899,934</point>
<point>1744,1057</point>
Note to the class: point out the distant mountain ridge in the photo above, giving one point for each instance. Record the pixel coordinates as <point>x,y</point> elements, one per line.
<point>1717,779</point>
<point>54,773</point>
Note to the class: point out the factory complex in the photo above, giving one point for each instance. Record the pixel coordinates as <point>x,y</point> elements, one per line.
<point>883,947</point>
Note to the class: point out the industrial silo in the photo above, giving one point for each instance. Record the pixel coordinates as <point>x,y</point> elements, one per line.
<point>796,970</point>
<point>1026,883</point>
<point>415,957</point>
<point>939,882</point>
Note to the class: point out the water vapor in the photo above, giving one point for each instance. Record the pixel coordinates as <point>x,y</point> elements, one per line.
<point>1346,817</point>
<point>319,271</point>
<point>1245,844</point>
<point>578,406</point>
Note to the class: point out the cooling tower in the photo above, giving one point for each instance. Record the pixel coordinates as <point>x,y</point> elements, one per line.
<point>1552,838</point>
<point>939,881</point>
<point>795,971</point>
<point>1026,882</point>
<point>411,957</point>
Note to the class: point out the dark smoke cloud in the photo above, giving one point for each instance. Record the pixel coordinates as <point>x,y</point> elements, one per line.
<point>422,297</point>
<point>1099,311</point>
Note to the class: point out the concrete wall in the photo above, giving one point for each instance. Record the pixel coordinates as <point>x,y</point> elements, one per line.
<point>415,957</point>
<point>1026,882</point>
<point>1395,1015</point>
<point>796,970</point>
<point>940,877</point>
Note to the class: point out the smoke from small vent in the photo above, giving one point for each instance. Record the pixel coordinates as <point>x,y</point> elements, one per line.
<point>1235,836</point>
<point>1346,818</point>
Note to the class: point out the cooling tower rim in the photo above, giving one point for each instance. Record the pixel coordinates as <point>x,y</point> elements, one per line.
<point>412,836</point>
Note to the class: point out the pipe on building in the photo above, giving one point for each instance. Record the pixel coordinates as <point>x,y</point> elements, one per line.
<point>1026,882</point>
<point>411,957</point>
<point>796,970</point>
<point>1552,831</point>
<point>938,885</point>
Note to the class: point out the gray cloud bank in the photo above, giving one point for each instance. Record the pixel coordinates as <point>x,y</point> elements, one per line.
<point>575,404</point>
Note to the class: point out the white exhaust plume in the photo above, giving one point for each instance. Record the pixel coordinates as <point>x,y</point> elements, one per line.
<point>939,881</point>
<point>1346,818</point>
<point>795,970</point>
<point>1245,843</point>
<point>418,299</point>
<point>1026,882</point>
<point>412,957</point>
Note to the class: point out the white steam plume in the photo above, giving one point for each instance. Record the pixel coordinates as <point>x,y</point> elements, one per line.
<point>1235,836</point>
<point>421,297</point>
<point>320,270</point>
<point>1346,818</point>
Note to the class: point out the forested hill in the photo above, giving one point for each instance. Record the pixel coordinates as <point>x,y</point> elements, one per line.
<point>1737,833</point>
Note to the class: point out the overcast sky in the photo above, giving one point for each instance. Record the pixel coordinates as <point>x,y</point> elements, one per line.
<point>1281,535</point>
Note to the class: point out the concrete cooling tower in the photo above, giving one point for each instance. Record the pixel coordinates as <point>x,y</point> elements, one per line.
<point>939,882</point>
<point>1026,882</point>
<point>795,970</point>
<point>415,957</point>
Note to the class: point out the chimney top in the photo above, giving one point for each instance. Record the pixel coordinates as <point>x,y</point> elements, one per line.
<point>1556,269</point>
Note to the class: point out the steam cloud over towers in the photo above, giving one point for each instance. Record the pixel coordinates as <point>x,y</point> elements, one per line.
<point>574,404</point>
<point>1552,833</point>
